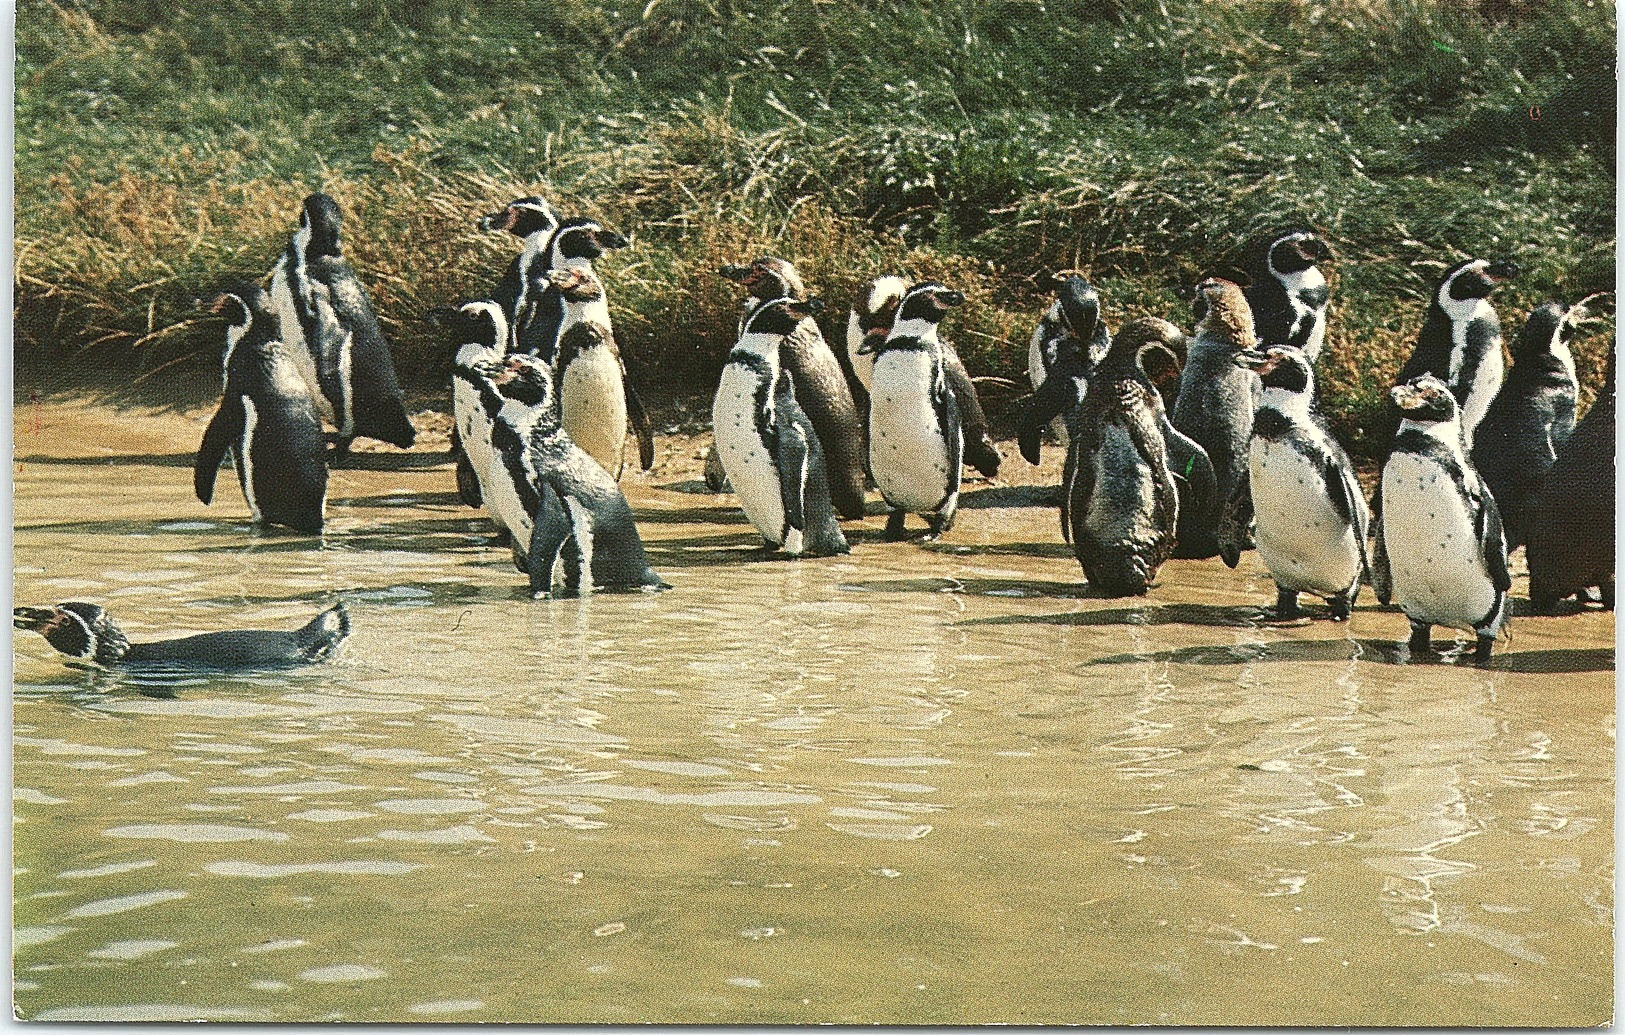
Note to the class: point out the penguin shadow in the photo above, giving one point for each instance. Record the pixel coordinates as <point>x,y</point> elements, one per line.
<point>691,487</point>
<point>400,500</point>
<point>1523,607</point>
<point>690,516</point>
<point>1563,660</point>
<point>394,594</point>
<point>1055,551</point>
<point>1207,615</point>
<point>176,526</point>
<point>711,551</point>
<point>403,461</point>
<point>983,587</point>
<point>121,460</point>
<point>1011,496</point>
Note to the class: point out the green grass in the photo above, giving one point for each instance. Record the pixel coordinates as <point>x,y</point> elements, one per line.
<point>163,147</point>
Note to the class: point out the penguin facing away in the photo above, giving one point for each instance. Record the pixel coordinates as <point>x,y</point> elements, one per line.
<point>1311,514</point>
<point>1532,415</point>
<point>596,400</point>
<point>1568,521</point>
<point>915,440</point>
<point>575,243</point>
<point>87,634</point>
<point>1071,337</point>
<point>265,421</point>
<point>328,321</point>
<point>874,310</point>
<point>480,331</point>
<point>768,447</point>
<point>531,219</point>
<point>1460,341</point>
<point>1288,293</point>
<point>1443,556</point>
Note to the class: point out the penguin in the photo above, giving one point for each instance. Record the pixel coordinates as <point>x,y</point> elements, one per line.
<point>539,317</point>
<point>567,504</point>
<point>1569,520</point>
<point>531,219</point>
<point>480,331</point>
<point>873,313</point>
<point>767,445</point>
<point>266,421</point>
<point>1215,409</point>
<point>327,319</point>
<point>1443,556</point>
<point>1460,341</point>
<point>1071,334</point>
<point>821,388</point>
<point>1311,514</point>
<point>86,634</point>
<point>1532,415</point>
<point>1288,293</point>
<point>915,440</point>
<point>595,399</point>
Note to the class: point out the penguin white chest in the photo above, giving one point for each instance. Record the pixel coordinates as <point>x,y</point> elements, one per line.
<point>750,467</point>
<point>1305,316</point>
<point>499,483</point>
<point>908,448</point>
<point>1434,558</point>
<point>863,364</point>
<point>1302,539</point>
<point>292,332</point>
<point>593,407</point>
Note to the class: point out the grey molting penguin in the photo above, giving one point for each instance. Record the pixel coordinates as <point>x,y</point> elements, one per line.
<point>561,504</point>
<point>1460,341</point>
<point>266,421</point>
<point>1569,521</point>
<point>531,219</point>
<point>1532,415</point>
<point>596,402</point>
<point>480,334</point>
<point>1215,408</point>
<point>86,634</point>
<point>821,387</point>
<point>328,320</point>
<point>1311,514</point>
<point>1442,556</point>
<point>766,444</point>
<point>915,440</point>
<point>1288,293</point>
<point>538,319</point>
<point>1071,337</point>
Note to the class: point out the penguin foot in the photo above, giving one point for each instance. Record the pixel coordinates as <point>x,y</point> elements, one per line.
<point>1421,641</point>
<point>1276,620</point>
<point>541,594</point>
<point>895,530</point>
<point>1486,643</point>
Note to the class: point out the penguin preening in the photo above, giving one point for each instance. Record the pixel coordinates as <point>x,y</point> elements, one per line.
<point>531,219</point>
<point>1070,338</point>
<point>1443,555</point>
<point>327,319</point>
<point>1569,521</point>
<point>539,316</point>
<point>767,445</point>
<point>1288,293</point>
<point>266,421</point>
<point>480,335</point>
<point>596,401</point>
<point>874,310</point>
<point>1460,342</point>
<point>85,633</point>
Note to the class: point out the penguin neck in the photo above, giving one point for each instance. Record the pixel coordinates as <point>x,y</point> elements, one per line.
<point>1565,358</point>
<point>762,345</point>
<point>925,330</point>
<point>1446,432</point>
<point>1295,405</point>
<point>1229,325</point>
<point>477,352</point>
<point>234,334</point>
<point>1463,311</point>
<point>526,418</point>
<point>1308,279</point>
<point>592,310</point>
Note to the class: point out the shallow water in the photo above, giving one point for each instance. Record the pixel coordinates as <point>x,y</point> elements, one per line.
<point>918,784</point>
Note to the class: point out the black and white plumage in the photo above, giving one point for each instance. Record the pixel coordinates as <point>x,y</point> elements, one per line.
<point>596,401</point>
<point>480,335</point>
<point>915,441</point>
<point>85,633</point>
<point>1288,293</point>
<point>327,319</point>
<point>1532,415</point>
<point>531,219</point>
<point>265,421</point>
<point>1569,521</point>
<point>874,310</point>
<point>557,502</point>
<point>768,447</point>
<point>1442,555</point>
<point>1460,341</point>
<point>1311,514</point>
<point>1070,339</point>
<point>538,316</point>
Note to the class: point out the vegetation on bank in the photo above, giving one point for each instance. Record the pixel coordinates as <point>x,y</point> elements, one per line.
<point>163,149</point>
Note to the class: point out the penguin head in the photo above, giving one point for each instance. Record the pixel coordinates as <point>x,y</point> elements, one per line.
<point>1080,304</point>
<point>577,283</point>
<point>319,225</point>
<point>875,308</point>
<point>525,379</point>
<point>1281,367</point>
<point>767,278</point>
<point>782,316</point>
<point>77,629</point>
<point>583,238</point>
<point>1154,345</point>
<point>481,322</point>
<point>522,217</point>
<point>1294,252</point>
<point>1425,400</point>
<point>1473,279</point>
<point>1548,328</point>
<point>929,302</point>
<point>243,306</point>
<point>1222,311</point>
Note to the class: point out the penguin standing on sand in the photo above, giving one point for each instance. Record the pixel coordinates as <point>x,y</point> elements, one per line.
<point>915,440</point>
<point>480,331</point>
<point>821,389</point>
<point>327,319</point>
<point>266,421</point>
<point>1444,556</point>
<point>1288,292</point>
<point>85,633</point>
<point>595,399</point>
<point>1568,522</point>
<point>1460,342</point>
<point>539,316</point>
<point>568,505</point>
<point>1532,415</point>
<point>531,219</point>
<point>1311,514</point>
<point>767,445</point>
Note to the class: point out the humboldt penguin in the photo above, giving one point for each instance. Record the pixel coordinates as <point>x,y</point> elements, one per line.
<point>596,401</point>
<point>1071,335</point>
<point>86,633</point>
<point>915,442</point>
<point>874,310</point>
<point>820,385</point>
<point>768,447</point>
<point>1288,292</point>
<point>531,219</point>
<point>1460,342</point>
<point>1569,521</point>
<point>1532,415</point>
<point>266,421</point>
<point>1311,514</point>
<point>539,315</point>
<point>328,321</point>
<point>480,335</point>
<point>1444,556</point>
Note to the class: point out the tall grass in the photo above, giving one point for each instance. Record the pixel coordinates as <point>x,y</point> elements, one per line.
<point>163,149</point>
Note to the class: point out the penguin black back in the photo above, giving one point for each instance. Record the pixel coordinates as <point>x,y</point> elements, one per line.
<point>86,633</point>
<point>537,322</point>
<point>1568,522</point>
<point>1288,293</point>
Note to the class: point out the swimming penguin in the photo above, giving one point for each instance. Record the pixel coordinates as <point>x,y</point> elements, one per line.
<point>480,332</point>
<point>531,219</point>
<point>567,505</point>
<point>595,399</point>
<point>1311,514</point>
<point>915,440</point>
<point>873,313</point>
<point>1215,408</point>
<point>328,321</point>
<point>821,389</point>
<point>266,421</point>
<point>1568,522</point>
<point>1532,415</point>
<point>1288,292</point>
<point>85,633</point>
<point>1071,335</point>
<point>1444,557</point>
<point>767,445</point>
<point>539,317</point>
<point>1460,342</point>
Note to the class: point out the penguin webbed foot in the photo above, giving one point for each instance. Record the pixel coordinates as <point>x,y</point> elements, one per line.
<point>1486,644</point>
<point>1286,610</point>
<point>1421,641</point>
<point>895,527</point>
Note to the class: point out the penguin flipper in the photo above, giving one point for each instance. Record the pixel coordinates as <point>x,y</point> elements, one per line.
<point>978,446</point>
<point>1192,466</point>
<point>640,425</point>
<point>223,431</point>
<point>1058,394</point>
<point>1382,579</point>
<point>547,538</point>
<point>1492,541</point>
<point>793,457</point>
<point>953,434</point>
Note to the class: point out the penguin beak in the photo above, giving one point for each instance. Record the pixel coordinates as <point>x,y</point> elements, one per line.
<point>499,221</point>
<point>32,618</point>
<point>1496,272</point>
<point>609,240</point>
<point>1256,360</point>
<point>736,273</point>
<point>949,299</point>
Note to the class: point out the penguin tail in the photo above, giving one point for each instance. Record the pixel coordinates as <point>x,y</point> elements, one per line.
<point>321,638</point>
